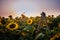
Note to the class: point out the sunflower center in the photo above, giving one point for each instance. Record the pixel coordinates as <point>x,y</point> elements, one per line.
<point>29,21</point>
<point>3,21</point>
<point>12,25</point>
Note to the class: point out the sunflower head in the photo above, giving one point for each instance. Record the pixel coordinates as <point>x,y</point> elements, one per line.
<point>56,36</point>
<point>23,16</point>
<point>23,33</point>
<point>44,24</point>
<point>48,21</point>
<point>12,26</point>
<point>59,24</point>
<point>29,21</point>
<point>1,24</point>
<point>33,28</point>
<point>3,21</point>
<point>10,16</point>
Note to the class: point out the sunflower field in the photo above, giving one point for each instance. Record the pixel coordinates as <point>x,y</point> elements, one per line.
<point>24,28</point>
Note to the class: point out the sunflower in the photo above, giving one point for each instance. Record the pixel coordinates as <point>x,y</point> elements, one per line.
<point>0,23</point>
<point>12,26</point>
<point>29,21</point>
<point>44,24</point>
<point>23,33</point>
<point>3,21</point>
<point>56,36</point>
<point>49,21</point>
<point>10,20</point>
<point>33,28</point>
<point>59,24</point>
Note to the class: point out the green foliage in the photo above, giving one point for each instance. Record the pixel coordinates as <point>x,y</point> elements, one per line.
<point>44,34</point>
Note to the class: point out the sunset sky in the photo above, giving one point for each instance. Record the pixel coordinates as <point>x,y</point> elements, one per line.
<point>30,7</point>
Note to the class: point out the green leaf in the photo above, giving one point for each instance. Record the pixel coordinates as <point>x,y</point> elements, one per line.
<point>41,35</point>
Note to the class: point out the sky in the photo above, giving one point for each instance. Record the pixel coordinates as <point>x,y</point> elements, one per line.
<point>29,7</point>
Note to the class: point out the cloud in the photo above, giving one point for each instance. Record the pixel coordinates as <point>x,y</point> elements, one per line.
<point>30,7</point>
